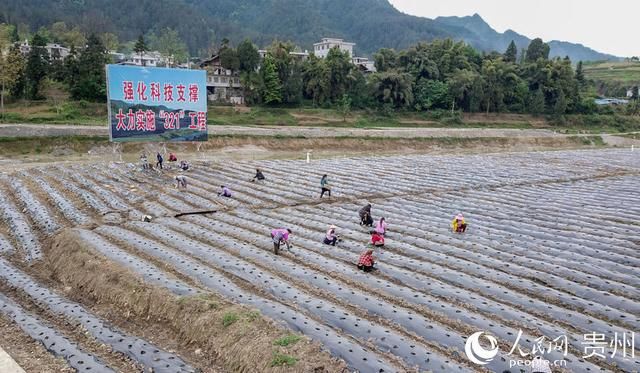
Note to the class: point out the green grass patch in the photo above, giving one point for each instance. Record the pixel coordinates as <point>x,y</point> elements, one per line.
<point>229,318</point>
<point>253,315</point>
<point>287,340</point>
<point>282,360</point>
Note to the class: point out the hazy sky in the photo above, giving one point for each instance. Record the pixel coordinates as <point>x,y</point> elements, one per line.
<point>611,26</point>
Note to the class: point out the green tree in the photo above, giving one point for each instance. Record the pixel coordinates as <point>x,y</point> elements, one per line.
<point>61,33</point>
<point>272,93</point>
<point>317,85</point>
<point>140,47</point>
<point>249,56</point>
<point>110,41</point>
<point>560,107</point>
<point>171,46</point>
<point>344,107</point>
<point>385,59</point>
<point>511,54</point>
<point>393,88</point>
<point>229,58</point>
<point>580,75</point>
<point>340,66</point>
<point>460,85</point>
<point>6,36</point>
<point>11,69</point>
<point>37,67</point>
<point>537,102</point>
<point>537,49</point>
<point>91,82</point>
<point>429,94</point>
<point>70,68</point>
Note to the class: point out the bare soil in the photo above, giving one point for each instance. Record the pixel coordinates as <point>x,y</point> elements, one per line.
<point>191,326</point>
<point>29,354</point>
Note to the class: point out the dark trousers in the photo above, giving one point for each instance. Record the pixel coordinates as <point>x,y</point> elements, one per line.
<point>461,228</point>
<point>331,242</point>
<point>366,220</point>
<point>159,165</point>
<point>365,268</point>
<point>325,190</point>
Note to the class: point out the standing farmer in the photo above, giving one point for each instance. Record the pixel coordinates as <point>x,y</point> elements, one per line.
<point>324,186</point>
<point>160,160</point>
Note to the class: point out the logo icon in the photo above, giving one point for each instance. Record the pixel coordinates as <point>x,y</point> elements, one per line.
<point>478,354</point>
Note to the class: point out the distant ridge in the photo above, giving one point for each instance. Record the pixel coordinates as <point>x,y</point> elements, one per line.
<point>372,24</point>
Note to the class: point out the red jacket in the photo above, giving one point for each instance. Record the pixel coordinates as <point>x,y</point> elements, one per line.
<point>377,239</point>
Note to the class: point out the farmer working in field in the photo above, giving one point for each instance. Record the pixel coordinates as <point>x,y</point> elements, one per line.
<point>279,236</point>
<point>259,175</point>
<point>181,181</point>
<point>381,227</point>
<point>160,160</point>
<point>458,224</point>
<point>377,239</point>
<point>184,165</point>
<point>331,237</point>
<point>324,186</point>
<point>366,261</point>
<point>144,161</point>
<point>365,216</point>
<point>225,192</point>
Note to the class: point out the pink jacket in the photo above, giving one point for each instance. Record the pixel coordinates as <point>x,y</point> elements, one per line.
<point>281,231</point>
<point>381,228</point>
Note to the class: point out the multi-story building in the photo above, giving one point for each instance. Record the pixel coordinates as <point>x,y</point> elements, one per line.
<point>322,48</point>
<point>223,85</point>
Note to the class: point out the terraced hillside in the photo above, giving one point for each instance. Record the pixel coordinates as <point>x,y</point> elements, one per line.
<point>552,250</point>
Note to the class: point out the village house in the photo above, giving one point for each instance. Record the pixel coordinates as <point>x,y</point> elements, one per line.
<point>322,49</point>
<point>54,50</point>
<point>223,85</point>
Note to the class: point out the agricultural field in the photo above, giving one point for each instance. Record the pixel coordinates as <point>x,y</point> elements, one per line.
<point>552,251</point>
<point>622,72</point>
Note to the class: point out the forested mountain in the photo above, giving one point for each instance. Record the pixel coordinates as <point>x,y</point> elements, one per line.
<point>486,38</point>
<point>372,24</point>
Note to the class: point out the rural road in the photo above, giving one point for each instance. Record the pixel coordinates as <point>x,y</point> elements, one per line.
<point>36,130</point>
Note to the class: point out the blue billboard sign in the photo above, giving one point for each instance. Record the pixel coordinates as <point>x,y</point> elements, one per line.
<point>156,104</point>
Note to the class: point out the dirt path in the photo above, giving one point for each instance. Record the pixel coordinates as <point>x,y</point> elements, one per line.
<point>30,130</point>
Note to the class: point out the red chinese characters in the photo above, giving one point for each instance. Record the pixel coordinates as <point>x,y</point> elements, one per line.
<point>181,97</point>
<point>140,120</point>
<point>193,93</point>
<point>155,91</point>
<point>142,89</point>
<point>168,92</point>
<point>150,120</point>
<point>127,90</point>
<point>198,120</point>
<point>120,117</point>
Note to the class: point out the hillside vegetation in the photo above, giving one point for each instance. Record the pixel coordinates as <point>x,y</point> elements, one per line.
<point>372,24</point>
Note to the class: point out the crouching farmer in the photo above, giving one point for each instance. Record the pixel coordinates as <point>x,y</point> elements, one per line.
<point>458,224</point>
<point>280,236</point>
<point>366,261</point>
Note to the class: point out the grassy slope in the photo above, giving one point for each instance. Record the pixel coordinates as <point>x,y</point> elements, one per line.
<point>621,72</point>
